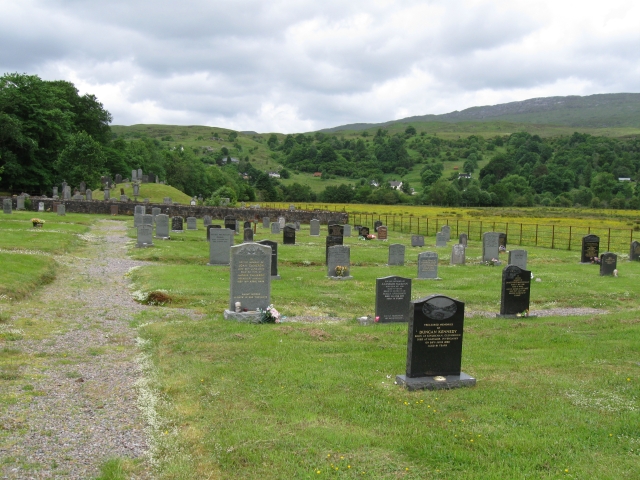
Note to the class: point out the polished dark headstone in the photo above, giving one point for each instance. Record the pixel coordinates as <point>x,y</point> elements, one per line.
<point>335,230</point>
<point>590,248</point>
<point>393,299</point>
<point>230,223</point>
<point>364,231</point>
<point>274,257</point>
<point>417,240</point>
<point>332,241</point>
<point>177,224</point>
<point>209,227</point>
<point>608,263</point>
<point>516,290</point>
<point>248,235</point>
<point>634,251</point>
<point>376,224</point>
<point>289,235</point>
<point>463,239</point>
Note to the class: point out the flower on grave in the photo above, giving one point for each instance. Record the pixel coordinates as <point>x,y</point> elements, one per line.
<point>341,270</point>
<point>523,314</point>
<point>502,248</point>
<point>37,221</point>
<point>269,315</point>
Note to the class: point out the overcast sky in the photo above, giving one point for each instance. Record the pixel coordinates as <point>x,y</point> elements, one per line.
<point>294,66</point>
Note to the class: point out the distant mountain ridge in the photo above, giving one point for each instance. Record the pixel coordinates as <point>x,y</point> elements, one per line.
<point>597,111</point>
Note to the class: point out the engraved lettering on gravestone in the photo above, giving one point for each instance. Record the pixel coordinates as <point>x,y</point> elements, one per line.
<point>220,241</point>
<point>275,227</point>
<point>516,290</point>
<point>518,258</point>
<point>314,227</point>
<point>230,222</point>
<point>441,239</point>
<point>177,224</point>
<point>145,235</point>
<point>250,279</point>
<point>428,265</point>
<point>393,299</point>
<point>382,232</point>
<point>162,226</point>
<point>458,254</point>
<point>289,235</point>
<point>446,231</point>
<point>590,248</point>
<point>274,257</point>
<point>417,240</point>
<point>339,255</point>
<point>396,254</point>
<point>608,263</point>
<point>490,246</point>
<point>463,239</point>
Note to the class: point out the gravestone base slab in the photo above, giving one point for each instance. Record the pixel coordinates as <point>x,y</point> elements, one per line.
<point>276,277</point>
<point>430,383</point>
<point>162,238</point>
<point>515,316</point>
<point>177,231</point>
<point>436,279</point>
<point>341,278</point>
<point>245,317</point>
<point>144,245</point>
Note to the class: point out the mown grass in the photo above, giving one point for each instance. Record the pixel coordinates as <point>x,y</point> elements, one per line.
<point>557,397</point>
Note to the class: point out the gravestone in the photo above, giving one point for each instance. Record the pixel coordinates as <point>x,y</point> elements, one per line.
<point>230,223</point>
<point>64,185</point>
<point>490,246</point>
<point>446,231</point>
<point>155,211</point>
<point>124,198</point>
<point>225,201</point>
<point>292,208</point>
<point>77,197</point>
<point>209,227</point>
<point>41,206</point>
<point>107,194</point>
<point>192,223</point>
<point>145,236</point>
<point>393,299</point>
<point>274,257</point>
<point>428,266</point>
<point>441,239</point>
<point>335,230</point>
<point>502,240</point>
<point>314,227</point>
<point>376,224</point>
<point>296,225</point>
<point>396,254</point>
<point>89,194</point>
<point>289,235</point>
<point>118,178</point>
<point>331,241</point>
<point>61,209</point>
<point>608,263</point>
<point>162,226</point>
<point>463,239</point>
<point>82,188</point>
<point>134,175</point>
<point>20,203</point>
<point>7,206</point>
<point>248,235</point>
<point>364,231</point>
<point>275,227</point>
<point>147,219</point>
<point>166,200</point>
<point>139,210</point>
<point>346,230</point>
<point>518,258</point>
<point>145,178</point>
<point>382,232</point>
<point>206,220</point>
<point>356,228</point>
<point>281,221</point>
<point>55,191</point>
<point>634,251</point>
<point>417,240</point>
<point>458,254</point>
<point>250,279</point>
<point>339,255</point>
<point>434,346</point>
<point>177,224</point>
<point>220,242</point>
<point>237,229</point>
<point>516,290</point>
<point>266,222</point>
<point>66,194</point>
<point>590,248</point>
<point>114,209</point>
<point>136,190</point>
<point>139,174</point>
<point>137,220</point>
<point>246,225</point>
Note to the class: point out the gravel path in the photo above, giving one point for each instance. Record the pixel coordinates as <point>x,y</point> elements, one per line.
<point>87,413</point>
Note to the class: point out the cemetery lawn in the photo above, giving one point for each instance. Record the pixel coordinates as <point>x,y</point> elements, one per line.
<point>557,396</point>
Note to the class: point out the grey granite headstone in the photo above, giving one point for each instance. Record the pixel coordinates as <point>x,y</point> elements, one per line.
<point>166,200</point>
<point>139,174</point>
<point>590,248</point>
<point>331,241</point>
<point>248,235</point>
<point>237,229</point>
<point>155,211</point>
<point>250,279</point>
<point>396,254</point>
<point>428,265</point>
<point>162,226</point>
<point>89,194</point>
<point>274,257</point>
<point>55,191</point>
<point>634,251</point>
<point>314,227</point>
<point>145,235</point>
<point>266,222</point>
<point>393,299</point>
<point>7,206</point>
<point>107,194</point>
<point>136,190</point>
<point>490,246</point>
<point>61,210</point>
<point>206,220</point>
<point>177,224</point>
<point>20,203</point>
<point>275,227</point>
<point>417,240</point>
<point>139,210</point>
<point>463,239</point>
<point>446,231</point>
<point>66,194</point>
<point>347,230</point>
<point>441,240</point>
<point>220,241</point>
<point>518,258</point>
<point>296,225</point>
<point>339,255</point>
<point>458,254</point>
<point>118,178</point>
<point>41,206</point>
<point>281,221</point>
<point>516,290</point>
<point>134,175</point>
<point>137,220</point>
<point>608,263</point>
<point>147,219</point>
<point>192,223</point>
<point>82,187</point>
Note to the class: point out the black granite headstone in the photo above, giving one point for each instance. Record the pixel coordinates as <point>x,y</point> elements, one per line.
<point>393,299</point>
<point>502,240</point>
<point>177,224</point>
<point>376,224</point>
<point>634,251</point>
<point>209,227</point>
<point>274,256</point>
<point>289,235</point>
<point>246,225</point>
<point>516,290</point>
<point>608,263</point>
<point>590,248</point>
<point>230,222</point>
<point>336,230</point>
<point>364,231</point>
<point>248,235</point>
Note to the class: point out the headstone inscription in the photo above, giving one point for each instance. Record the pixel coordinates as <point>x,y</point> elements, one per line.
<point>441,240</point>
<point>463,239</point>
<point>7,206</point>
<point>376,224</point>
<point>289,235</point>
<point>250,277</point>
<point>339,262</point>
<point>220,241</point>
<point>155,211</point>
<point>608,263</point>
<point>206,220</point>
<point>634,251</point>
<point>275,227</point>
<point>274,257</point>
<point>61,209</point>
<point>428,266</point>
<point>382,232</point>
<point>590,248</point>
<point>107,194</point>
<point>490,246</point>
<point>396,254</point>
<point>434,346</point>
<point>145,236</point>
<point>458,254</point>
<point>335,230</point>
<point>230,223</point>
<point>192,223</point>
<point>281,221</point>
<point>248,235</point>
<point>518,258</point>
<point>177,224</point>
<point>314,227</point>
<point>266,222</point>
<point>417,240</point>
<point>20,203</point>
<point>347,230</point>
<point>89,194</point>
<point>41,206</point>
<point>516,290</point>
<point>393,299</point>
<point>209,227</point>
<point>446,231</point>
<point>147,219</point>
<point>162,226</point>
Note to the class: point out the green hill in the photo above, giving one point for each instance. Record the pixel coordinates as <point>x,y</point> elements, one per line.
<point>155,192</point>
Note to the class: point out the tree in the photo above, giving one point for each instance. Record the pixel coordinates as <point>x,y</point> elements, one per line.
<point>410,131</point>
<point>602,186</point>
<point>81,160</point>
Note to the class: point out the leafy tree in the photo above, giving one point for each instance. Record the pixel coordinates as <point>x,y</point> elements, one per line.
<point>232,136</point>
<point>81,160</point>
<point>410,131</point>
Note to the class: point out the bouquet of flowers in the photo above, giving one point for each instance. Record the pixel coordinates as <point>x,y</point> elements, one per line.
<point>341,271</point>
<point>269,315</point>
<point>371,236</point>
<point>37,222</point>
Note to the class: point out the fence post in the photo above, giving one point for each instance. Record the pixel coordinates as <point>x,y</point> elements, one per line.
<point>457,229</point>
<point>468,228</point>
<point>436,227</point>
<point>480,231</point>
<point>536,234</point>
<point>401,223</point>
<point>427,226</point>
<point>493,229</point>
<point>506,230</point>
<point>609,242</point>
<point>553,235</point>
<point>569,237</point>
<point>520,234</point>
<point>410,221</point>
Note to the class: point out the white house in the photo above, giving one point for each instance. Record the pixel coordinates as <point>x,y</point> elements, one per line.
<point>395,184</point>
<point>274,175</point>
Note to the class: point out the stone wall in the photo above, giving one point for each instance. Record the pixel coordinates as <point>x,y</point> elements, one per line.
<point>217,213</point>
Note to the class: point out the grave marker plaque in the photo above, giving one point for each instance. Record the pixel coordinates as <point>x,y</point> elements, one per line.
<point>428,265</point>
<point>275,227</point>
<point>417,240</point>
<point>220,241</point>
<point>608,263</point>
<point>396,254</point>
<point>441,240</point>
<point>192,223</point>
<point>177,224</point>
<point>145,236</point>
<point>382,232</point>
<point>314,227</point>
<point>518,258</point>
<point>463,239</point>
<point>274,257</point>
<point>250,276</point>
<point>490,246</point>
<point>393,299</point>
<point>634,251</point>
<point>162,226</point>
<point>339,256</point>
<point>7,206</point>
<point>458,254</point>
<point>289,235</point>
<point>446,231</point>
<point>516,290</point>
<point>248,235</point>
<point>590,248</point>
